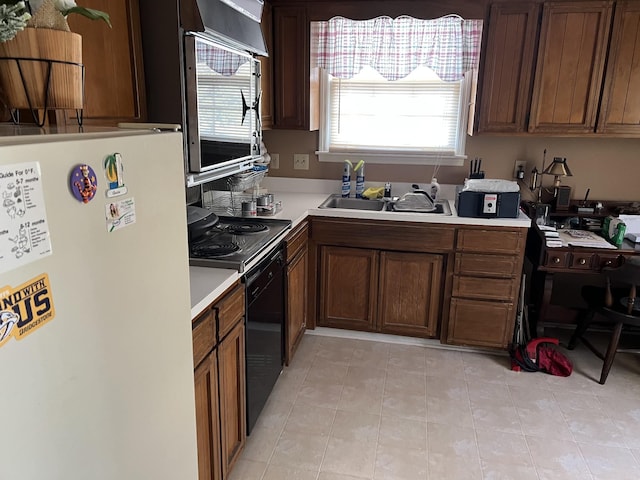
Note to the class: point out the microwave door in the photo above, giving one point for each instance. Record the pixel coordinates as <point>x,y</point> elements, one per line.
<point>225,113</point>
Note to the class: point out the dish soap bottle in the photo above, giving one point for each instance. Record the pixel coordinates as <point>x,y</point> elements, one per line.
<point>359,168</point>
<point>346,178</point>
<point>435,189</point>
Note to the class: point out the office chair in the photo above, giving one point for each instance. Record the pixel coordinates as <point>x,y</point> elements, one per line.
<point>616,305</point>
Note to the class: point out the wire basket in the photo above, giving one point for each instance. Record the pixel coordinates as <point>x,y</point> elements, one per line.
<point>238,182</point>
<point>226,203</point>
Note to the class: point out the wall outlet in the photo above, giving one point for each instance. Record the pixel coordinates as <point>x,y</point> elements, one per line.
<point>519,166</point>
<point>275,161</point>
<point>301,161</point>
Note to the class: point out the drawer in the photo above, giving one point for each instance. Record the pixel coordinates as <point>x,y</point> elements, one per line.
<point>203,335</point>
<point>485,288</point>
<point>493,240</point>
<point>582,261</point>
<point>607,261</point>
<point>296,240</point>
<point>229,310</point>
<point>555,259</point>
<point>487,265</point>
<point>477,323</point>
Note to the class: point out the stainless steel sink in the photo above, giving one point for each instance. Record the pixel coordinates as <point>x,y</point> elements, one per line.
<point>336,201</point>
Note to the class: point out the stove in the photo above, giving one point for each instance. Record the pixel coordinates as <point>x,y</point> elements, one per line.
<point>235,241</point>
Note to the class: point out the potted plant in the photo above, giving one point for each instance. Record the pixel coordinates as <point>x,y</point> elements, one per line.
<point>40,58</point>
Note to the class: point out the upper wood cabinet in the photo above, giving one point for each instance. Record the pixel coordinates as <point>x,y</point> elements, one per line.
<point>570,67</point>
<point>292,108</point>
<point>508,67</point>
<point>581,81</point>
<point>266,70</point>
<point>114,71</point>
<point>620,106</point>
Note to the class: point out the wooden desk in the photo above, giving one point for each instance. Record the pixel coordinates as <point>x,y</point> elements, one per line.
<point>547,262</point>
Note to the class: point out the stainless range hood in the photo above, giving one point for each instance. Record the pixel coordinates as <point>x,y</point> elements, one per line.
<point>234,21</point>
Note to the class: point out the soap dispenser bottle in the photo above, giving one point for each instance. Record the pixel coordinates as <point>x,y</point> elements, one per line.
<point>346,178</point>
<point>435,189</point>
<point>359,169</point>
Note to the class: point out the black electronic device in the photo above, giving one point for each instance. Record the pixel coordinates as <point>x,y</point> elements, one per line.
<point>488,204</point>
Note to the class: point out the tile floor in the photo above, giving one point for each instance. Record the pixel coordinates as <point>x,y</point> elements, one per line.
<point>349,409</point>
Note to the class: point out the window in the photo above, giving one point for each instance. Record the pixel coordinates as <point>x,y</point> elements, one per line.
<point>396,90</point>
<point>416,117</point>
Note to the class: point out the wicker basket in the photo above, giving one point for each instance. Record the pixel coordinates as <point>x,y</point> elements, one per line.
<point>41,68</point>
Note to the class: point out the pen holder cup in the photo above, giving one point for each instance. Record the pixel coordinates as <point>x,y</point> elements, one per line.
<point>542,213</point>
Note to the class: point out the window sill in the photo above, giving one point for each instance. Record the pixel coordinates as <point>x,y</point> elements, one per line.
<point>392,158</point>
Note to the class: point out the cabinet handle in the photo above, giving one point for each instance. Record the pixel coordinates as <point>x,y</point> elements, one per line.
<point>556,260</point>
<point>582,261</point>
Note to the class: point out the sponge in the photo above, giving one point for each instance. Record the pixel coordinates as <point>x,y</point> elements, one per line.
<point>373,192</point>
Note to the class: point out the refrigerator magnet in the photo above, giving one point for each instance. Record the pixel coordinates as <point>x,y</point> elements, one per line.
<point>83,183</point>
<point>114,172</point>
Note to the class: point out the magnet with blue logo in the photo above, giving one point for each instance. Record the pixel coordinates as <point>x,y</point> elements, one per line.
<point>83,183</point>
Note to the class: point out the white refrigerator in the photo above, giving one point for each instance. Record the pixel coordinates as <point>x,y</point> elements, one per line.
<point>96,368</point>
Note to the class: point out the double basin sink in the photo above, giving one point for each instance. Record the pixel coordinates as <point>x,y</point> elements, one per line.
<point>337,201</point>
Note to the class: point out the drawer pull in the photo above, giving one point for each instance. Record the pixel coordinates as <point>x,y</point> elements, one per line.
<point>582,261</point>
<point>556,260</point>
<point>608,262</point>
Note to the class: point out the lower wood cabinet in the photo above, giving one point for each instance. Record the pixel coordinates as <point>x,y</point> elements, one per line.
<point>208,425</point>
<point>348,288</point>
<point>380,291</point>
<point>409,293</point>
<point>232,383</point>
<point>220,385</point>
<point>296,288</point>
<point>485,287</point>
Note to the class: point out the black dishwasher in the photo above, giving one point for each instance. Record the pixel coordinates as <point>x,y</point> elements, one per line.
<point>264,331</point>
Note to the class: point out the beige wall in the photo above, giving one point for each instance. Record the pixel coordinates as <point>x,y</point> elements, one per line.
<point>609,167</point>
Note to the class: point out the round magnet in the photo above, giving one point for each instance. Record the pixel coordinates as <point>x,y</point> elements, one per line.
<point>83,183</point>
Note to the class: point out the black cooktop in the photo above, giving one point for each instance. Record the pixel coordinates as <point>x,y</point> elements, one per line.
<point>236,241</point>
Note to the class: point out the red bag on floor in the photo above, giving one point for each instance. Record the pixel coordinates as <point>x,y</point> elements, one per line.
<point>553,362</point>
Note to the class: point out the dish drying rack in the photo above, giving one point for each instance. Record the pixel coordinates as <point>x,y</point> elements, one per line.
<point>225,195</point>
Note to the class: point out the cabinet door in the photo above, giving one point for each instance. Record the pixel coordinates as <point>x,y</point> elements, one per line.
<point>292,82</point>
<point>348,288</point>
<point>570,67</point>
<point>266,70</point>
<point>410,291</point>
<point>620,106</point>
<point>207,420</point>
<point>480,323</point>
<point>297,292</point>
<point>233,426</point>
<point>114,72</point>
<point>508,67</point>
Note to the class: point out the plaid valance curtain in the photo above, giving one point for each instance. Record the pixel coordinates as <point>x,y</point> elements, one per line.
<point>219,60</point>
<point>394,48</point>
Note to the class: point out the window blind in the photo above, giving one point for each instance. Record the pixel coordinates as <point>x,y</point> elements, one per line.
<point>405,115</point>
<point>223,95</point>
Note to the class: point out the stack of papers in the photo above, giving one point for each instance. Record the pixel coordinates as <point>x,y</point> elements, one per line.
<point>633,227</point>
<point>584,238</point>
<point>551,236</point>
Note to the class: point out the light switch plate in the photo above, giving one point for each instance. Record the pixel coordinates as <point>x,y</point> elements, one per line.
<point>275,161</point>
<point>301,161</point>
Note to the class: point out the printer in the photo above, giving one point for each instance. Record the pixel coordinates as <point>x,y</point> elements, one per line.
<point>488,198</point>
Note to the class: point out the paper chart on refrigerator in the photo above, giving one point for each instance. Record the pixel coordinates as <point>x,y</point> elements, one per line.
<point>583,238</point>
<point>24,231</point>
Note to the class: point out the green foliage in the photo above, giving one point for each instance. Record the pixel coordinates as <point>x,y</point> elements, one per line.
<point>89,13</point>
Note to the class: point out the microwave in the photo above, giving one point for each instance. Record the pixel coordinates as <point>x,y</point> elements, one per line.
<point>223,127</point>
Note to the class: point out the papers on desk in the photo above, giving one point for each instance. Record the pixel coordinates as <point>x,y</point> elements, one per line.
<point>573,238</point>
<point>584,238</point>
<point>633,227</point>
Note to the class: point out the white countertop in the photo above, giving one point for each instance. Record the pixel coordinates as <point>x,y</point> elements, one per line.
<point>301,198</point>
